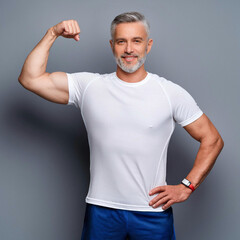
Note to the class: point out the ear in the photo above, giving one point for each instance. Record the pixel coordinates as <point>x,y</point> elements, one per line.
<point>149,45</point>
<point>111,43</point>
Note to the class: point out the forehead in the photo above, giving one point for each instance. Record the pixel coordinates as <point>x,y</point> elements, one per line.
<point>130,30</point>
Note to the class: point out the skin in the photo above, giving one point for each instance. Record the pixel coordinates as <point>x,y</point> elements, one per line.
<point>50,86</point>
<point>211,145</point>
<point>129,38</point>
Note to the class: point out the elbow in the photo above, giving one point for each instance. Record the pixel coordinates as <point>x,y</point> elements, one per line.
<point>20,80</point>
<point>220,143</point>
<point>213,142</point>
<point>23,82</point>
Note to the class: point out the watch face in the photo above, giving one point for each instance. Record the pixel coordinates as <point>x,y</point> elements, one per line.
<point>186,182</point>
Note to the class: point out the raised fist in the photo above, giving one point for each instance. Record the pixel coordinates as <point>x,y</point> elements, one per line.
<point>67,29</point>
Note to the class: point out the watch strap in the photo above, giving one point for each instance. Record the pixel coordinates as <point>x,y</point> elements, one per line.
<point>188,184</point>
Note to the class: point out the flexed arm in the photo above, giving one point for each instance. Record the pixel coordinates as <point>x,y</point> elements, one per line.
<point>51,86</point>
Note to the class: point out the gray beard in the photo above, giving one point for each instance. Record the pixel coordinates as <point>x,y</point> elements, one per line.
<point>132,69</point>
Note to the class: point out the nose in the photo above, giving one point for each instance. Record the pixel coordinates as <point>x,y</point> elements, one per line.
<point>128,48</point>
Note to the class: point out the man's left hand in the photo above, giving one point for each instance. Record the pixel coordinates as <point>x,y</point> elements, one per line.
<point>169,195</point>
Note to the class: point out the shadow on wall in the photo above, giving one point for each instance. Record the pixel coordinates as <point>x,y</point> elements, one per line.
<point>58,125</point>
<point>53,135</point>
<point>44,164</point>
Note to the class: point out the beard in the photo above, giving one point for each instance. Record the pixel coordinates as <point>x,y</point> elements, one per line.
<point>130,69</point>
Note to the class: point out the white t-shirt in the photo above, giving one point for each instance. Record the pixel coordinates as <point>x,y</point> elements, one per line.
<point>129,126</point>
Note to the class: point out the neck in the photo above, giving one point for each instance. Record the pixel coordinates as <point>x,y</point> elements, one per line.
<point>136,76</point>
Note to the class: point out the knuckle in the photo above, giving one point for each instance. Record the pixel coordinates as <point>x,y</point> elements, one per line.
<point>156,205</point>
<point>64,24</point>
<point>153,191</point>
<point>61,24</point>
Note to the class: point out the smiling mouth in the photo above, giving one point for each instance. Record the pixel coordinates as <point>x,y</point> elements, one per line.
<point>129,58</point>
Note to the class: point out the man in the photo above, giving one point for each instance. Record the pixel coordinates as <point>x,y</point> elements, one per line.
<point>129,116</point>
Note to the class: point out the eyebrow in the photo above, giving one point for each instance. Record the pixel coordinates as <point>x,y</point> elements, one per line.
<point>118,39</point>
<point>139,38</point>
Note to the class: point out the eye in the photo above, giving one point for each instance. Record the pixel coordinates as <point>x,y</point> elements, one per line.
<point>137,41</point>
<point>120,42</point>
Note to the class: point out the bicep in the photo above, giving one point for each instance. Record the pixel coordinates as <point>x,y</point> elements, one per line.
<point>52,87</point>
<point>202,128</point>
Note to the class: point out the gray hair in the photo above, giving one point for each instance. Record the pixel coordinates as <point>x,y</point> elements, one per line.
<point>129,17</point>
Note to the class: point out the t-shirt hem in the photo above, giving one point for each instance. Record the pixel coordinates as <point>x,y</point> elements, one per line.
<point>191,119</point>
<point>123,206</point>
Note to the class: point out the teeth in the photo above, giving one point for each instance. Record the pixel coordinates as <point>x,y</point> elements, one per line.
<point>128,58</point>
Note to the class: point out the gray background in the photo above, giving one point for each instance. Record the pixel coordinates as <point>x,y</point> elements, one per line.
<point>44,153</point>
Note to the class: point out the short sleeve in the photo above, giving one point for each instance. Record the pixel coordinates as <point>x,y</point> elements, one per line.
<point>184,108</point>
<point>77,83</point>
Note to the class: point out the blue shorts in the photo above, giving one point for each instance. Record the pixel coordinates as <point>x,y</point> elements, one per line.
<point>103,223</point>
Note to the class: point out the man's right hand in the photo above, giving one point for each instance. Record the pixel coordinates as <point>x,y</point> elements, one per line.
<point>67,29</point>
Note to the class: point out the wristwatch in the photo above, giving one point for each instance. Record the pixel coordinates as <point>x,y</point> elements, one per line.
<point>188,184</point>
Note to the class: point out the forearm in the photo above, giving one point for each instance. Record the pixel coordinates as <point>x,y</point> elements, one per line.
<point>211,145</point>
<point>205,159</point>
<point>36,62</point>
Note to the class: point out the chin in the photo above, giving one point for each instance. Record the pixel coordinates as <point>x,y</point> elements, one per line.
<point>128,69</point>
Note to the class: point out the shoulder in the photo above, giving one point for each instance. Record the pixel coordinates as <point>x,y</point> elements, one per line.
<point>82,75</point>
<point>167,85</point>
<point>82,79</point>
<point>176,93</point>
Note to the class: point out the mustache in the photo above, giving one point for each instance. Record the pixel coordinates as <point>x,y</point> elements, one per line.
<point>129,54</point>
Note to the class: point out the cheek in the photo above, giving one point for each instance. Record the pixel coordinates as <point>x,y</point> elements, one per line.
<point>118,51</point>
<point>140,49</point>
